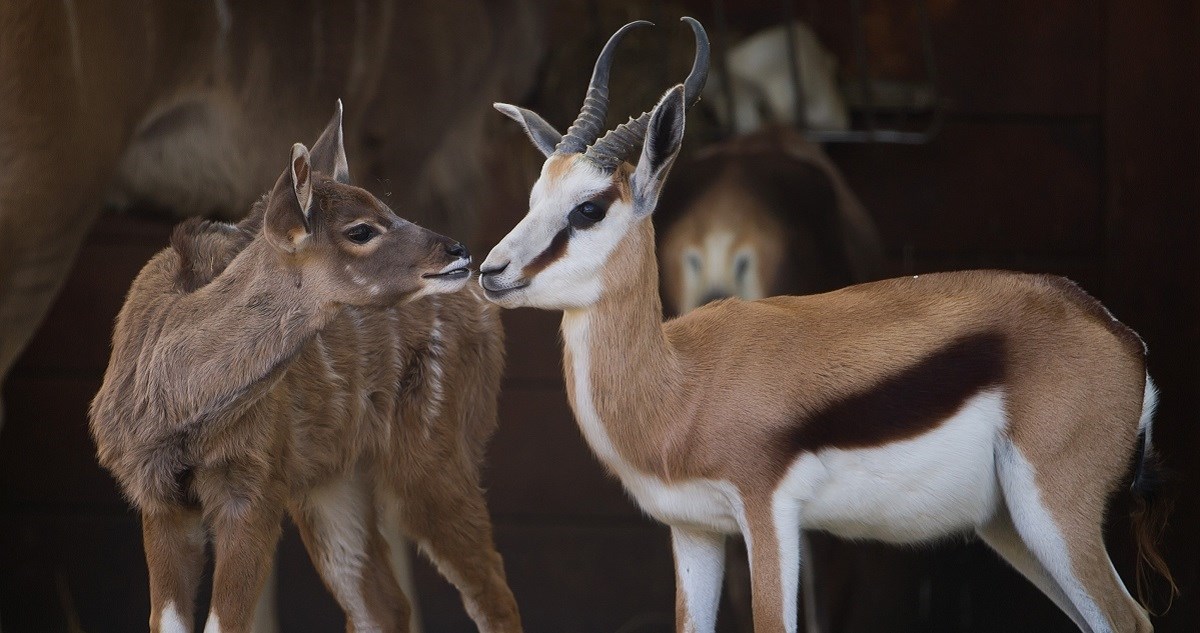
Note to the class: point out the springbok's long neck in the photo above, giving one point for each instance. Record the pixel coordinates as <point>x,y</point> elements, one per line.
<point>217,345</point>
<point>623,376</point>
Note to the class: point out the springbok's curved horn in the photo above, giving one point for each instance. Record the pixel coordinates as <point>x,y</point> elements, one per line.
<point>625,141</point>
<point>590,122</point>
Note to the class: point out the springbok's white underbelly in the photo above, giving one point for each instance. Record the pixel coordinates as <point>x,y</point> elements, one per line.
<point>935,484</point>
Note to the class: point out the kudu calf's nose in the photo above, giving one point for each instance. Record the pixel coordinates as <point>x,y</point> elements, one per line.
<point>457,250</point>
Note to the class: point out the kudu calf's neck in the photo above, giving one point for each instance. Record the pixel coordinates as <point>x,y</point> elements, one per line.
<point>218,342</point>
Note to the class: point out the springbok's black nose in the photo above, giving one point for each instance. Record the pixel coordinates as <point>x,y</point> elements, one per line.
<point>457,250</point>
<point>488,270</point>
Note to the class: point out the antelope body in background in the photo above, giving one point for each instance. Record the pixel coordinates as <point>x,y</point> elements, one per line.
<point>325,358</point>
<point>904,410</point>
<point>762,214</point>
<point>181,106</point>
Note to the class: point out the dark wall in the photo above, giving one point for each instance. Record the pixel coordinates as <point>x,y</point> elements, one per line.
<point>1070,146</point>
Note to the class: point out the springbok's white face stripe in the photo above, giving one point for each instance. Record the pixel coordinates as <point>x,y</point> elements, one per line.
<point>572,280</point>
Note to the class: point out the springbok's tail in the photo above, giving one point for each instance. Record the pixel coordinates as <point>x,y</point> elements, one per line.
<point>1150,510</point>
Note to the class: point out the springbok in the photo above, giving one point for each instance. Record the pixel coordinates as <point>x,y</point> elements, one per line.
<point>903,410</point>
<point>323,357</point>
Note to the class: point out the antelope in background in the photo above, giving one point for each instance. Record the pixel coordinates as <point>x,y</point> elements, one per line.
<point>762,214</point>
<point>323,357</point>
<point>179,106</point>
<point>906,410</point>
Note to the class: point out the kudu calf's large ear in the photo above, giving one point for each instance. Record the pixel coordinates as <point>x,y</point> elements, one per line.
<point>288,221</point>
<point>664,136</point>
<point>543,135</point>
<point>329,152</point>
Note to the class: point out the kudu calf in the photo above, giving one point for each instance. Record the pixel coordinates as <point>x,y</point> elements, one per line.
<point>324,358</point>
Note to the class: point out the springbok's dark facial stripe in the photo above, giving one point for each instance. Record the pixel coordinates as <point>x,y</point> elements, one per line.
<point>556,249</point>
<point>558,245</point>
<point>908,404</point>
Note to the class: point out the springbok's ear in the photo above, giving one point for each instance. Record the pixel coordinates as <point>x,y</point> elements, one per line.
<point>664,136</point>
<point>287,219</point>
<point>329,152</point>
<point>543,135</point>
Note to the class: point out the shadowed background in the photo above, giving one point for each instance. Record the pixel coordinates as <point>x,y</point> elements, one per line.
<point>1070,145</point>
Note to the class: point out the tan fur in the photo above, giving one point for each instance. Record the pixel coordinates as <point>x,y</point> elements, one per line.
<point>558,165</point>
<point>669,393</point>
<point>254,375</point>
<point>179,105</point>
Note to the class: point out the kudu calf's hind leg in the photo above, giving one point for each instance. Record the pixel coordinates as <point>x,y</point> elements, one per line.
<point>338,523</point>
<point>448,519</point>
<point>174,540</point>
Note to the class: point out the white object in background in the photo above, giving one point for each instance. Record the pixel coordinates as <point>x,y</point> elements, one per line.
<point>763,90</point>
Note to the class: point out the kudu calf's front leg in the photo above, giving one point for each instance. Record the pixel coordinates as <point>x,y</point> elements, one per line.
<point>174,540</point>
<point>245,535</point>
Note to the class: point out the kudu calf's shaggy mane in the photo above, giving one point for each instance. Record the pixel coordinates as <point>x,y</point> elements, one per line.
<point>905,410</point>
<point>324,358</point>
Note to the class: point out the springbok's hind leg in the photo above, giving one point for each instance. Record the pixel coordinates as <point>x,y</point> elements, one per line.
<point>174,540</point>
<point>1069,544</point>
<point>1001,535</point>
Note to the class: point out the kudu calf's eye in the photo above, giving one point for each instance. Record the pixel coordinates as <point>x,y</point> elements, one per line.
<point>361,233</point>
<point>586,214</point>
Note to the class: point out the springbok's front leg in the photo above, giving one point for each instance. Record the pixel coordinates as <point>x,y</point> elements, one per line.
<point>174,540</point>
<point>699,569</point>
<point>338,522</point>
<point>773,537</point>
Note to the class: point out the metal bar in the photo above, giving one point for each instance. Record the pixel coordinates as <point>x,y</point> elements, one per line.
<point>799,110</point>
<point>864,69</point>
<point>723,64</point>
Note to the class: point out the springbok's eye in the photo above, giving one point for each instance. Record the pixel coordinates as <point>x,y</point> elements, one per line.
<point>693,261</point>
<point>361,233</point>
<point>586,214</point>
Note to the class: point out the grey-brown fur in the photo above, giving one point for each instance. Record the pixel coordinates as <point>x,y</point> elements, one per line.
<point>248,379</point>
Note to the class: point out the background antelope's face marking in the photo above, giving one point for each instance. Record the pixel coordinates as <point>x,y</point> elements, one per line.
<point>725,245</point>
<point>555,257</point>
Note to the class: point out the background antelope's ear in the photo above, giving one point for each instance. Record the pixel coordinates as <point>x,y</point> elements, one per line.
<point>543,135</point>
<point>329,152</point>
<point>664,137</point>
<point>287,219</point>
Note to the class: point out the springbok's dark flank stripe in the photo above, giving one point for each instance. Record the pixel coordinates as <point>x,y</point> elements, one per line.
<point>556,249</point>
<point>908,404</point>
